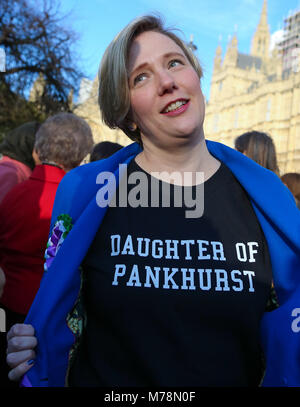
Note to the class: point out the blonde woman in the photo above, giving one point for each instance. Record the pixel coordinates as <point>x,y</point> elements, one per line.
<point>138,292</point>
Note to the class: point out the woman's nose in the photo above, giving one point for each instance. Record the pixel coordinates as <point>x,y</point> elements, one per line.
<point>166,82</point>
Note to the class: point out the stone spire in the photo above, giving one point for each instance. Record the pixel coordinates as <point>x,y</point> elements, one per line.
<point>264,15</point>
<point>231,55</point>
<point>218,56</point>
<point>37,89</point>
<point>261,38</point>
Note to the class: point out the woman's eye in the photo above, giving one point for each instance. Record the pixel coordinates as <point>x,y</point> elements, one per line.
<point>175,62</point>
<point>141,77</point>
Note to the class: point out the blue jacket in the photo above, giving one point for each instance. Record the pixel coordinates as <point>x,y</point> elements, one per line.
<point>278,216</point>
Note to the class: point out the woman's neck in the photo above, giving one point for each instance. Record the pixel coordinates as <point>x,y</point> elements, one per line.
<point>185,159</point>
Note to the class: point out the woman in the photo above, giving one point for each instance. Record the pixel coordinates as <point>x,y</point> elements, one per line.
<point>62,142</point>
<point>16,162</point>
<point>260,147</point>
<point>168,299</point>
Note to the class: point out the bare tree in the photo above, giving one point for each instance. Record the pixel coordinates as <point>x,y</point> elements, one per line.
<point>37,44</point>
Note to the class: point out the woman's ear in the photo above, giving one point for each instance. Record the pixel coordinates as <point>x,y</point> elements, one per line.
<point>132,126</point>
<point>35,157</point>
<point>129,121</point>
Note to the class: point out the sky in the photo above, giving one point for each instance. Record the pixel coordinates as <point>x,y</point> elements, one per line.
<point>210,22</point>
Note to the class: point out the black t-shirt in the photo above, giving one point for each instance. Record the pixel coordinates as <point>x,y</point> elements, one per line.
<point>176,301</point>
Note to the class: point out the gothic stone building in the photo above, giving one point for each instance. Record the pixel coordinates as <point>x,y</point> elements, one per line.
<point>89,110</point>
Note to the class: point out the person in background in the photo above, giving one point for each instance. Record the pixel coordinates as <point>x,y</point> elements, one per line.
<point>61,143</point>
<point>16,161</point>
<point>259,147</point>
<point>292,181</point>
<point>104,149</point>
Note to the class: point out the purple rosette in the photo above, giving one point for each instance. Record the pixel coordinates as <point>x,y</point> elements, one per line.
<point>59,233</point>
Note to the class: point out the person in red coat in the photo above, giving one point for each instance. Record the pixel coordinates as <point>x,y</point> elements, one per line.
<point>61,144</point>
<point>24,226</point>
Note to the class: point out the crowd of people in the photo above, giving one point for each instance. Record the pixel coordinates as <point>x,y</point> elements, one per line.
<point>35,158</point>
<point>100,295</point>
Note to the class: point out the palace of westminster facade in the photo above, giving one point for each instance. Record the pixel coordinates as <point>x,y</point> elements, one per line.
<point>259,91</point>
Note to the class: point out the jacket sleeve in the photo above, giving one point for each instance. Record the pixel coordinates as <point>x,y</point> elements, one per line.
<point>59,286</point>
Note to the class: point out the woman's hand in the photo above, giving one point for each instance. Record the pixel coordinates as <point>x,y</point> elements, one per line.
<point>20,350</point>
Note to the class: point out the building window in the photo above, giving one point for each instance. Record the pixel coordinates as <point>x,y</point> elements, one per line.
<point>215,123</point>
<point>268,112</point>
<point>220,85</point>
<point>236,118</point>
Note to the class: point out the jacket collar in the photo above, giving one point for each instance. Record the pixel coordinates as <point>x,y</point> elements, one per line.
<point>49,173</point>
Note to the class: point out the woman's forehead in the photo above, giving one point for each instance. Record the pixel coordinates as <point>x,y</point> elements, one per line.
<point>148,46</point>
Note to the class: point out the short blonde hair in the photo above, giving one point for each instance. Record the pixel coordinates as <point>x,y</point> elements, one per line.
<point>114,95</point>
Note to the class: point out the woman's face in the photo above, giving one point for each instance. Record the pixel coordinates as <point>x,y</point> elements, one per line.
<point>166,99</point>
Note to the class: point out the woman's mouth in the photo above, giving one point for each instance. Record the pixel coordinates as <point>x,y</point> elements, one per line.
<point>176,107</point>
